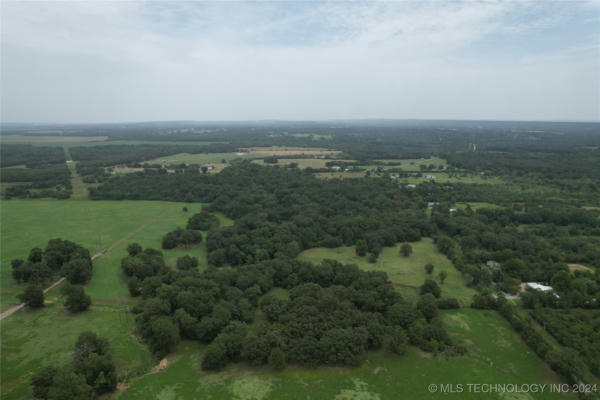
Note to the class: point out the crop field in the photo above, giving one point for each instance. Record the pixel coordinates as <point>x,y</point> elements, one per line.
<point>495,355</point>
<point>407,273</point>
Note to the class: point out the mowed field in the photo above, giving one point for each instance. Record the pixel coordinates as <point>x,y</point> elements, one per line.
<point>495,355</point>
<point>407,273</point>
<point>33,339</point>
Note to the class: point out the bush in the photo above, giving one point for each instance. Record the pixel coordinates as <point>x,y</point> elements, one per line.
<point>277,359</point>
<point>448,303</point>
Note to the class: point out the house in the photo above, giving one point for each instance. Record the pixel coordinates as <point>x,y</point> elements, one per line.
<point>430,176</point>
<point>411,186</point>
<point>538,286</point>
<point>210,168</point>
<point>336,168</point>
<point>431,204</point>
<point>492,264</point>
<point>453,210</point>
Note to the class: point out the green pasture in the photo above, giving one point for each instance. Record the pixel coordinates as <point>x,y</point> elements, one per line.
<point>200,158</point>
<point>32,340</point>
<point>407,273</point>
<point>496,354</point>
<point>96,225</point>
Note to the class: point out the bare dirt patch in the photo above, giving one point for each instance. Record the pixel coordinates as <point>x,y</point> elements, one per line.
<point>579,267</point>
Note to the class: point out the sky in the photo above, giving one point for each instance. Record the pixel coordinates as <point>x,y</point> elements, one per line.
<point>127,61</point>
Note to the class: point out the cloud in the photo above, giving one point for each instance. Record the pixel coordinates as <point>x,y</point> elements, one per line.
<point>109,61</point>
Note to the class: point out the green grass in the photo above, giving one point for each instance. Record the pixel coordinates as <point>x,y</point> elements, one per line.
<point>475,205</point>
<point>32,340</point>
<point>96,225</point>
<point>200,158</point>
<point>495,355</point>
<point>444,177</point>
<point>415,163</point>
<point>407,273</point>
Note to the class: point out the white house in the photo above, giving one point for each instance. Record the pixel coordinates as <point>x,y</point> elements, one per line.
<point>538,286</point>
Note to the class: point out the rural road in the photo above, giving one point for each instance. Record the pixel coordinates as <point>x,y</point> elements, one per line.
<point>16,308</point>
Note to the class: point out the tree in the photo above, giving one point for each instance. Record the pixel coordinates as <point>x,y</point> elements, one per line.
<point>164,335</point>
<point>186,262</point>
<point>428,306</point>
<point>277,359</point>
<point>134,249</point>
<point>398,341</point>
<point>406,250</point>
<point>361,247</point>
<point>442,276</point>
<point>215,357</point>
<point>185,209</point>
<point>429,269</point>
<point>430,286</point>
<point>33,296</point>
<point>35,255</point>
<point>69,385</point>
<point>77,271</point>
<point>42,382</point>
<point>76,300</point>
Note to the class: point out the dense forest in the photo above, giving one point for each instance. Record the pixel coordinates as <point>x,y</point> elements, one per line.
<point>334,314</point>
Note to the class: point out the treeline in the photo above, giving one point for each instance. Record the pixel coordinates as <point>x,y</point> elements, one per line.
<point>52,180</point>
<point>565,163</point>
<point>90,373</point>
<point>577,329</point>
<point>334,314</point>
<point>94,159</point>
<point>566,362</point>
<point>30,156</point>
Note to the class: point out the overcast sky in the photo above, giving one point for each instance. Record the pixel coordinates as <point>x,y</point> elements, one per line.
<point>141,61</point>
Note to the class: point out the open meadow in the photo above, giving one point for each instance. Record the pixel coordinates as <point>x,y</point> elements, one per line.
<point>407,273</point>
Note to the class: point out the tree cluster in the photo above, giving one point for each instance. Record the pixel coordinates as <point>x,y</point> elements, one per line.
<point>91,373</point>
<point>59,257</point>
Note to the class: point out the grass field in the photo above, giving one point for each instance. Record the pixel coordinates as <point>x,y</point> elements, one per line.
<point>32,339</point>
<point>97,226</point>
<point>407,272</point>
<point>495,355</point>
<point>199,158</point>
<point>415,163</point>
<point>444,177</point>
